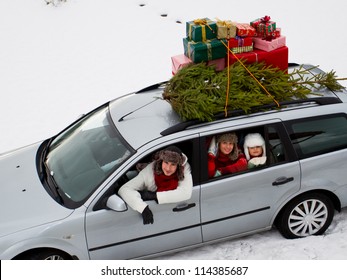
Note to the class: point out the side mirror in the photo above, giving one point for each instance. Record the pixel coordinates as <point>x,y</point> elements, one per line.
<point>115,203</point>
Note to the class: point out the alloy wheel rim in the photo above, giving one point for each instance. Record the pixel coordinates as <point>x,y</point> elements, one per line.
<point>54,258</point>
<point>308,217</point>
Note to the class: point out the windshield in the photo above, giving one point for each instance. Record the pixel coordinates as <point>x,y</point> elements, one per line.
<point>85,154</point>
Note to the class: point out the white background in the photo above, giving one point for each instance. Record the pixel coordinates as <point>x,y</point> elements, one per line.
<point>57,63</point>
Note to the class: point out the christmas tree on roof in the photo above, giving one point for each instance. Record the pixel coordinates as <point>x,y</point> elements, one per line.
<point>200,92</point>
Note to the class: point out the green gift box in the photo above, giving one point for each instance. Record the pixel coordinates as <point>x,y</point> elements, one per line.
<point>200,30</point>
<point>204,51</point>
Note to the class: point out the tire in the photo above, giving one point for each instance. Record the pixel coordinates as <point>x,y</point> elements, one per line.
<point>49,254</point>
<point>309,214</point>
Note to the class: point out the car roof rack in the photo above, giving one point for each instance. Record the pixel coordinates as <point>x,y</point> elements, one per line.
<point>318,100</point>
<point>293,64</point>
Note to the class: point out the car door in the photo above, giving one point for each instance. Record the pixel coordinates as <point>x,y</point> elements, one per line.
<point>122,235</point>
<point>321,145</point>
<point>247,201</point>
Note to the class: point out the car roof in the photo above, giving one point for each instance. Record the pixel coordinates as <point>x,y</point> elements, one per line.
<point>144,116</point>
<point>141,117</point>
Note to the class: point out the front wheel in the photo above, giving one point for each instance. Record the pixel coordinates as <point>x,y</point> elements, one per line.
<point>309,214</point>
<point>48,254</point>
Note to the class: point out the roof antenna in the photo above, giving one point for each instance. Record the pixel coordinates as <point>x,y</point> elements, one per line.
<point>122,118</point>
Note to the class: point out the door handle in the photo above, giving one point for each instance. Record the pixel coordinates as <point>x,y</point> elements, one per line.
<point>282,180</point>
<point>183,207</point>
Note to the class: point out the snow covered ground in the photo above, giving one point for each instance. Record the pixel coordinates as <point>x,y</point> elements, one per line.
<point>57,63</point>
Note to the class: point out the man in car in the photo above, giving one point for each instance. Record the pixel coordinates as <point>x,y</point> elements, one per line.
<point>167,179</point>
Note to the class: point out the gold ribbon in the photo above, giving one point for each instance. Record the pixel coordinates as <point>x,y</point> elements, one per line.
<point>224,23</point>
<point>203,32</point>
<point>209,51</point>
<point>189,50</point>
<point>200,21</point>
<point>203,23</point>
<point>242,49</point>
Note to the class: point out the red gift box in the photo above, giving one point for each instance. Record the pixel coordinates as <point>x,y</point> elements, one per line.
<point>244,29</point>
<point>277,33</point>
<point>264,26</point>
<point>277,58</point>
<point>240,42</point>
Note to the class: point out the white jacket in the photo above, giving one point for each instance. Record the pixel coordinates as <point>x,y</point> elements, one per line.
<point>145,181</point>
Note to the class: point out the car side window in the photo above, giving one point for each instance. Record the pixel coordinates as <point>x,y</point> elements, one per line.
<point>189,148</point>
<point>315,136</point>
<point>259,147</point>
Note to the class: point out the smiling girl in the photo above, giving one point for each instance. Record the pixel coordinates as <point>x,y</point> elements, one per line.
<point>224,156</point>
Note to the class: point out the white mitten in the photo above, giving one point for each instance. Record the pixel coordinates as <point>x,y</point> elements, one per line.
<point>213,148</point>
<point>217,174</point>
<point>256,161</point>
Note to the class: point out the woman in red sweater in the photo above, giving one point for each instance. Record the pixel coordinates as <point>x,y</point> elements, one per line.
<point>224,156</point>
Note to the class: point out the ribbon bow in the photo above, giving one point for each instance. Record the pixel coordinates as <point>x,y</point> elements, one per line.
<point>265,19</point>
<point>226,23</point>
<point>200,21</point>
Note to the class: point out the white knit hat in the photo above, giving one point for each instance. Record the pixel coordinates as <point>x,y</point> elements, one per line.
<point>253,140</point>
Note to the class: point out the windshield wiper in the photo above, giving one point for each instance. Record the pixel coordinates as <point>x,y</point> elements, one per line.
<point>53,186</point>
<point>46,175</point>
<point>42,157</point>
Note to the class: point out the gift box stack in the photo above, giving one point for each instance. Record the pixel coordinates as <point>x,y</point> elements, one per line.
<point>268,43</point>
<point>215,41</point>
<point>201,45</point>
<point>267,37</point>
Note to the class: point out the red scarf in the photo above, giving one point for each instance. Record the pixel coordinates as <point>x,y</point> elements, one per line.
<point>166,183</point>
<point>222,160</point>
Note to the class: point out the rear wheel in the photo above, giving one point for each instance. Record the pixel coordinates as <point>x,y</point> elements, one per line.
<point>309,214</point>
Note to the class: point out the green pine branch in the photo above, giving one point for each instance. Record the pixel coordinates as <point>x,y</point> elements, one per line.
<point>200,92</point>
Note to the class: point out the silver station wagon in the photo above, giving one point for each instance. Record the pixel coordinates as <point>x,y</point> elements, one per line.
<point>59,198</point>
